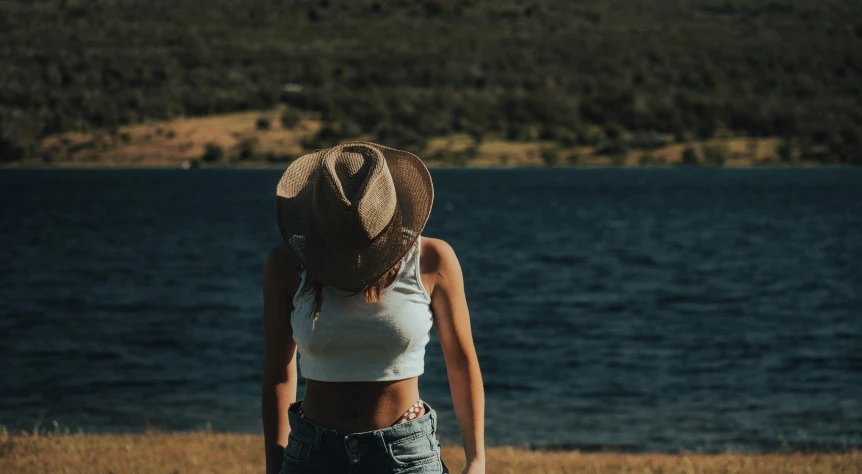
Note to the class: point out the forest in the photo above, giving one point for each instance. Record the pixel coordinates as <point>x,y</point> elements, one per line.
<point>616,75</point>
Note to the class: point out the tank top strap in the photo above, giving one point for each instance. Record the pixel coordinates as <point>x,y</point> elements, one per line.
<point>302,276</point>
<point>410,261</point>
<point>410,273</point>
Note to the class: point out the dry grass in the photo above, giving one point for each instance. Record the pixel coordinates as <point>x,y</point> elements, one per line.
<point>238,453</point>
<point>170,143</point>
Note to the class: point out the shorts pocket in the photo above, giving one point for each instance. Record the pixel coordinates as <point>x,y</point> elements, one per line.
<point>414,450</point>
<point>298,449</point>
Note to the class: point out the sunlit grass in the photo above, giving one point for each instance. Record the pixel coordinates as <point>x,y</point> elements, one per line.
<point>242,453</point>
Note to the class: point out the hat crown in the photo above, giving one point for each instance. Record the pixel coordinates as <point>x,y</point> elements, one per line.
<point>354,196</point>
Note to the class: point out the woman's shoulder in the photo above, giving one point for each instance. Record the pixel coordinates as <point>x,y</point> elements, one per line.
<point>281,267</point>
<point>436,254</point>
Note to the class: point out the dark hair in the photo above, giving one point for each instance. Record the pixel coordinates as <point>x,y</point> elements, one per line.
<point>371,292</point>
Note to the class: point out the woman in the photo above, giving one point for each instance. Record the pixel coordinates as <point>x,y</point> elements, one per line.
<point>356,290</point>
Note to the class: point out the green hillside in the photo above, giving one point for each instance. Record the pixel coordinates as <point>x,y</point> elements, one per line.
<point>611,74</point>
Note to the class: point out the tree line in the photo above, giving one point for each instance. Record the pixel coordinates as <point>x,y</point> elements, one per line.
<point>608,73</point>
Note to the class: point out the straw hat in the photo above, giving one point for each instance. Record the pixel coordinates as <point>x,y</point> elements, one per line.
<point>351,212</point>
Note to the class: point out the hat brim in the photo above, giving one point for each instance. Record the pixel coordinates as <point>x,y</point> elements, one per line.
<point>351,268</point>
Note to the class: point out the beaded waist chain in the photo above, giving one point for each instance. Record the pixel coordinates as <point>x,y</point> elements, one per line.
<point>415,411</point>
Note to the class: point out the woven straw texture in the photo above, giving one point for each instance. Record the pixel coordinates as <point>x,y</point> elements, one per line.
<point>351,212</point>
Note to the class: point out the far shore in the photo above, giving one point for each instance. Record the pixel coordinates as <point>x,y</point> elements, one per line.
<point>204,452</point>
<point>259,139</point>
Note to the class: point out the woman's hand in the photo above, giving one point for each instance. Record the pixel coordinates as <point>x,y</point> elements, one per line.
<point>475,467</point>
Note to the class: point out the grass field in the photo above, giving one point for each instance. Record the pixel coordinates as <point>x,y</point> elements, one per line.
<point>239,453</point>
<point>170,143</point>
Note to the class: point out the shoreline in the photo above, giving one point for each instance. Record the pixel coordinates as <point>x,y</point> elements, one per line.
<point>199,452</point>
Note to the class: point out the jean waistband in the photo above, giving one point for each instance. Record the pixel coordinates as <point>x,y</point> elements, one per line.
<point>326,439</point>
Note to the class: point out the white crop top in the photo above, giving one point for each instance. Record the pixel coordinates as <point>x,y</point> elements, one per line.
<point>355,341</point>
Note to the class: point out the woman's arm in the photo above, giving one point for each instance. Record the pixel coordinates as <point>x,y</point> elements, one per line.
<point>279,374</point>
<point>452,324</point>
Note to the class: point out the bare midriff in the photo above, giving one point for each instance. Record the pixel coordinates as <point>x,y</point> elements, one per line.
<point>358,406</point>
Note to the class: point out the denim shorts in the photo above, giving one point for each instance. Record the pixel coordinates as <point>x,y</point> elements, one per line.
<point>406,448</point>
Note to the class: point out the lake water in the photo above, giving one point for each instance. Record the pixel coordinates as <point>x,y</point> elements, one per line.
<point>661,309</point>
